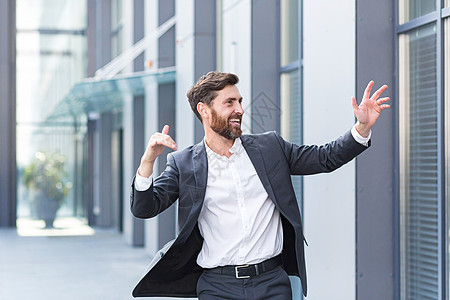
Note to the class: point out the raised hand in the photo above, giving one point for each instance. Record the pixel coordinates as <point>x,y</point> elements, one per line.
<point>155,147</point>
<point>368,111</point>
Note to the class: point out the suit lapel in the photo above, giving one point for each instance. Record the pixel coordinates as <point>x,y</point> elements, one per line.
<point>200,163</point>
<point>197,189</point>
<point>256,158</point>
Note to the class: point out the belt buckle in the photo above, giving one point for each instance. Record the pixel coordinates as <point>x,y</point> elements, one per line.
<point>236,271</point>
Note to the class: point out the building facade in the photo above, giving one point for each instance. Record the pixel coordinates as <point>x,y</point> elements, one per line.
<point>95,79</point>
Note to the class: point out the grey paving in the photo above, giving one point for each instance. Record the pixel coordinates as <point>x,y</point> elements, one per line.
<point>94,267</point>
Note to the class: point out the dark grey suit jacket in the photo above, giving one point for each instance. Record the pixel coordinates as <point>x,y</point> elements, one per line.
<point>174,271</point>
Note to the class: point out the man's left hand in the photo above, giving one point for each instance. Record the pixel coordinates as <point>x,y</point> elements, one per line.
<point>369,109</point>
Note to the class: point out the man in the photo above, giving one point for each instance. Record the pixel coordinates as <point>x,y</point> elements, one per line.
<point>240,230</point>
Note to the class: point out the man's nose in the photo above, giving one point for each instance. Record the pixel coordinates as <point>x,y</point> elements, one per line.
<point>238,109</point>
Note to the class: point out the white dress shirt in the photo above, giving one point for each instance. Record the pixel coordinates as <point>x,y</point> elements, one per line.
<point>238,221</point>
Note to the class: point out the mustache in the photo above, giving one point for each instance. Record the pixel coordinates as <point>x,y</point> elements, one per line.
<point>235,116</point>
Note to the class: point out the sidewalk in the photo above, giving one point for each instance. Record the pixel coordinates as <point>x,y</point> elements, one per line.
<point>90,267</point>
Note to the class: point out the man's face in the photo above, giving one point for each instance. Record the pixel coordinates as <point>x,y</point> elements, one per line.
<point>226,113</point>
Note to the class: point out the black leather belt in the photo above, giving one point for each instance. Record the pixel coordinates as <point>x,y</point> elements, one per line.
<point>247,271</point>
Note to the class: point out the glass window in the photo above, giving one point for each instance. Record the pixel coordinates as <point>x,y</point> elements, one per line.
<point>51,14</point>
<point>289,32</point>
<point>49,63</point>
<point>411,9</point>
<point>291,113</point>
<point>418,164</point>
<point>290,106</point>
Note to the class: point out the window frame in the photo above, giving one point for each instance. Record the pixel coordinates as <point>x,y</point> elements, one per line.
<point>438,17</point>
<point>295,66</point>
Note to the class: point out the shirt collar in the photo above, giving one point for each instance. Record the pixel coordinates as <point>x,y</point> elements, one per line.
<point>236,148</point>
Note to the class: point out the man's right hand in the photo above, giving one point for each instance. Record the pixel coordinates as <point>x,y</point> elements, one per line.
<point>155,147</point>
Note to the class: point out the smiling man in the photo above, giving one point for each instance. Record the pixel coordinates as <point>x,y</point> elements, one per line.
<point>240,231</point>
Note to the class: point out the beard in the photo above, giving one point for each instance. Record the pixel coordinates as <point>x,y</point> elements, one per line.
<point>222,126</point>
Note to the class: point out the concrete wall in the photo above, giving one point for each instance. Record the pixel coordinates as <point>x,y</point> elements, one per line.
<point>236,50</point>
<point>185,77</point>
<point>329,199</point>
<point>133,140</point>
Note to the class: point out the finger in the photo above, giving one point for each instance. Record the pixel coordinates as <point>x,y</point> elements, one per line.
<point>384,106</point>
<point>383,100</point>
<point>166,143</point>
<point>368,89</point>
<point>170,145</point>
<point>354,104</point>
<point>379,92</point>
<point>165,129</point>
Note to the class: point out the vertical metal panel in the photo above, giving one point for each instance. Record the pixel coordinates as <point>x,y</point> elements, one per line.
<point>116,179</point>
<point>375,202</point>
<point>91,37</point>
<point>166,115</point>
<point>102,27</point>
<point>205,37</point>
<point>89,192</point>
<point>166,10</point>
<point>396,206</point>
<point>166,43</point>
<point>8,114</point>
<point>138,32</point>
<point>204,46</point>
<point>265,87</point>
<point>104,148</point>
<point>105,23</point>
<point>139,111</point>
<point>138,149</point>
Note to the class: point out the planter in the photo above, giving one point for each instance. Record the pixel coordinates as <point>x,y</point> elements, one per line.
<point>46,208</point>
<point>46,178</point>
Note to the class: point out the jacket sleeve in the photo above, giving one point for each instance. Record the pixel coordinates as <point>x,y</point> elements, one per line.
<point>312,159</point>
<point>159,196</point>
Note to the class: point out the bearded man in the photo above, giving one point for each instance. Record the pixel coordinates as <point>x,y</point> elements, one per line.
<point>240,229</point>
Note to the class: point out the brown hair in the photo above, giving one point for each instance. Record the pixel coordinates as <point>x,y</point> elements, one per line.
<point>206,87</point>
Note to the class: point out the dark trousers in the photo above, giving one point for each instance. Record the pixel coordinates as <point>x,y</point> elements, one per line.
<point>273,285</point>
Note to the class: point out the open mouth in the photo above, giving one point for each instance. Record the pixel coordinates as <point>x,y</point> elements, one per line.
<point>235,122</point>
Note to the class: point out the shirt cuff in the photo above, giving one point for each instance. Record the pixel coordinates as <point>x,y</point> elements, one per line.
<point>142,183</point>
<point>360,139</point>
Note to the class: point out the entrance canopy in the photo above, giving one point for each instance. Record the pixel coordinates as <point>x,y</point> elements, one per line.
<point>97,96</point>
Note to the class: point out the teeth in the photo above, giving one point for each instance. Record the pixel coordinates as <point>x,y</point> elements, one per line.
<point>235,120</point>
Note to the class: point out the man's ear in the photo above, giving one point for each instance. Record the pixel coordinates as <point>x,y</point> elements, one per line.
<point>203,110</point>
